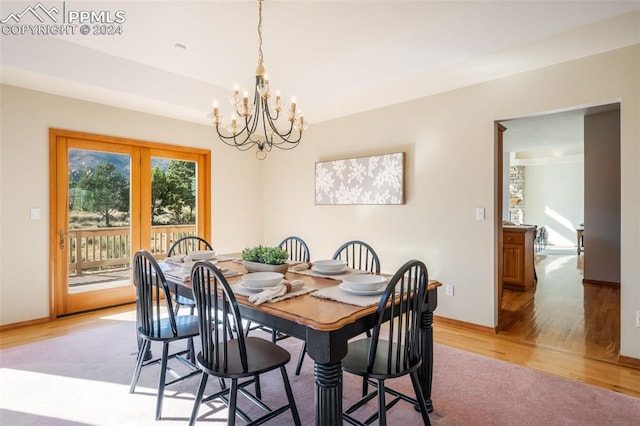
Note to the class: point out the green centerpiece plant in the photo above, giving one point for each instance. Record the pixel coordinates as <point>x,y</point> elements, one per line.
<point>261,258</point>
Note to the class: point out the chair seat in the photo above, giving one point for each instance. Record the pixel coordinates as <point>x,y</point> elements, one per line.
<point>262,356</point>
<point>184,301</point>
<point>187,326</point>
<point>358,356</point>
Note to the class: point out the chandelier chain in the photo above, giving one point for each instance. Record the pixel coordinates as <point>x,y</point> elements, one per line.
<point>260,55</point>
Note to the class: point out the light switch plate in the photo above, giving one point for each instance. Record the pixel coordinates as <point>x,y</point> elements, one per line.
<point>480,213</point>
<point>35,213</point>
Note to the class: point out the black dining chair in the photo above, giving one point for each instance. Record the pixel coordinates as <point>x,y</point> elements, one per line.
<point>232,359</point>
<point>185,245</point>
<point>358,255</point>
<point>297,249</point>
<point>393,350</point>
<point>298,252</point>
<point>157,323</point>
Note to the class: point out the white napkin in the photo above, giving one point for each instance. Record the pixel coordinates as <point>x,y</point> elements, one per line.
<point>179,258</point>
<point>182,274</point>
<point>271,293</point>
<point>301,266</point>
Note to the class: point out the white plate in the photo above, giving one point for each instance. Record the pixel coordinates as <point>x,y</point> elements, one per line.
<point>252,289</point>
<point>330,265</point>
<point>364,292</point>
<point>325,272</point>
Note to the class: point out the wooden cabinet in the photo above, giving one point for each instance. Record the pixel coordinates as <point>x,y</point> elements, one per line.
<point>517,248</point>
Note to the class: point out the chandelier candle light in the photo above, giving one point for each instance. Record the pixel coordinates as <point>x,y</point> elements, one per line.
<point>257,124</point>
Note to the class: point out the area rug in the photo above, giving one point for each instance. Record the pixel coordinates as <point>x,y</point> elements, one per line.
<point>83,379</point>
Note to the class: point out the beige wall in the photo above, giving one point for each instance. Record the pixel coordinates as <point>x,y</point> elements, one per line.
<point>449,140</point>
<point>555,199</point>
<point>26,117</point>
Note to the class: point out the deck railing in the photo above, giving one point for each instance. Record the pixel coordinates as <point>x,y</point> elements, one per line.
<point>101,249</point>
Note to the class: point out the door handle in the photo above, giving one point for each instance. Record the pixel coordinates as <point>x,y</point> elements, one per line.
<point>63,238</point>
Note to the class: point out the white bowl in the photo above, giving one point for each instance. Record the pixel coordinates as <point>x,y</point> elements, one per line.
<point>363,282</point>
<point>201,254</point>
<point>330,265</point>
<point>262,279</point>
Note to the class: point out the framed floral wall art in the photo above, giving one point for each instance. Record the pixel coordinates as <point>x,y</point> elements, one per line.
<point>378,179</point>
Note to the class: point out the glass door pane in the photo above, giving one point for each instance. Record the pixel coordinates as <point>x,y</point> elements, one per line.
<point>99,225</point>
<point>174,190</point>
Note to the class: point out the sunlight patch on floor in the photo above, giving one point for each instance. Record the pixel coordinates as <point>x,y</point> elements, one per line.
<point>558,263</point>
<point>99,286</point>
<point>88,401</point>
<point>123,316</point>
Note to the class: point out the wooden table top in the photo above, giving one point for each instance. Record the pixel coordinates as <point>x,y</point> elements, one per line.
<point>320,314</point>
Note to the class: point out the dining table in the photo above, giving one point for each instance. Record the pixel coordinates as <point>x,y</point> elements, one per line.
<point>326,326</point>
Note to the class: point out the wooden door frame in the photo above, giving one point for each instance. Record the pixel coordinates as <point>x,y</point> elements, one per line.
<point>58,205</point>
<point>64,302</point>
<point>498,235</point>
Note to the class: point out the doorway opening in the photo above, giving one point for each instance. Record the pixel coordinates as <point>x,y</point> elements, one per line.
<point>561,309</point>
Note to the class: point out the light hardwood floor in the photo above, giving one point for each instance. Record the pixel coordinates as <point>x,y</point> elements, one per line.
<point>561,312</point>
<point>560,327</point>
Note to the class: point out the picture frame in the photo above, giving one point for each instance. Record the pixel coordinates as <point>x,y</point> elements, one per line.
<point>371,180</point>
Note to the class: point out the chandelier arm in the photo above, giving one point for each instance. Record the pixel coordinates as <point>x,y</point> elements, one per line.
<point>290,143</point>
<point>256,113</point>
<point>268,111</point>
<point>272,120</point>
<point>249,127</point>
<point>243,146</point>
<point>287,148</point>
<point>247,142</point>
<point>283,136</point>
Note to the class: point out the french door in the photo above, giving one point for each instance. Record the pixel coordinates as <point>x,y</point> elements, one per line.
<point>109,198</point>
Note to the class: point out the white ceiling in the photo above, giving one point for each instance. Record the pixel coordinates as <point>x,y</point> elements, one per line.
<point>336,57</point>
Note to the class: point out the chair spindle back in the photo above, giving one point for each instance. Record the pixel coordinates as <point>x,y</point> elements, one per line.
<point>153,295</point>
<point>297,249</point>
<point>359,255</point>
<point>215,304</point>
<point>188,244</point>
<point>404,297</point>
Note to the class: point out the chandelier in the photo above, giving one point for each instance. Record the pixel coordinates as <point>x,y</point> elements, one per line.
<point>260,124</point>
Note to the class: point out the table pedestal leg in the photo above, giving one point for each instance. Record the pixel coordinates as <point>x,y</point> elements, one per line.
<point>425,372</point>
<point>328,394</point>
